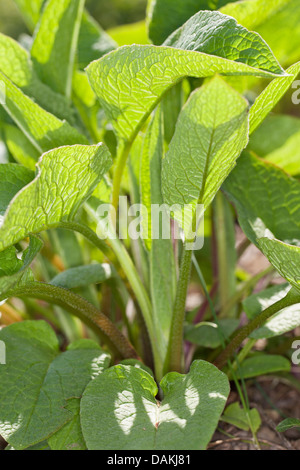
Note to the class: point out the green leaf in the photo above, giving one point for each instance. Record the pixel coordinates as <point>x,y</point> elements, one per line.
<point>271,95</point>
<point>37,382</point>
<point>287,157</point>
<point>238,417</point>
<point>266,200</point>
<point>44,130</point>
<point>131,81</point>
<point>93,42</point>
<point>16,64</point>
<point>67,178</point>
<point>221,36</point>
<point>164,16</point>
<point>262,364</point>
<point>123,401</point>
<point>211,132</point>
<point>55,43</point>
<point>272,20</point>
<point>209,335</point>
<point>273,133</point>
<point>20,147</point>
<point>15,272</point>
<point>83,276</point>
<point>30,10</point>
<point>257,303</point>
<point>150,173</point>
<point>284,321</point>
<point>69,437</point>
<point>161,255</point>
<point>285,258</point>
<point>12,179</point>
<point>287,424</point>
<point>134,33</point>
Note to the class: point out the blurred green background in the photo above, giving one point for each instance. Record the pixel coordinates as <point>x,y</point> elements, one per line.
<point>109,13</point>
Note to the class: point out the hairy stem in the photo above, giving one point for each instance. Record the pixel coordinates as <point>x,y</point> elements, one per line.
<point>291,298</point>
<point>175,349</point>
<point>82,309</point>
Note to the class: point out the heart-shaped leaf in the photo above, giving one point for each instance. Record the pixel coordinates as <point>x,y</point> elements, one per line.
<point>123,401</point>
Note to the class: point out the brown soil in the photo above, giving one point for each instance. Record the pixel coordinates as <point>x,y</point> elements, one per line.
<point>281,396</point>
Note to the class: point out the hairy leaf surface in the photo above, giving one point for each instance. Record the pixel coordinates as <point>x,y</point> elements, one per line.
<point>131,81</point>
<point>266,198</point>
<point>123,401</point>
<point>37,382</point>
<point>211,132</point>
<point>67,177</point>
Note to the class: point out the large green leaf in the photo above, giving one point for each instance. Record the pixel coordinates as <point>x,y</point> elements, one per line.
<point>123,401</point>
<point>266,199</point>
<point>131,81</point>
<point>211,132</point>
<point>16,64</point>
<point>55,43</point>
<point>220,35</point>
<point>44,130</point>
<point>67,177</point>
<point>37,383</point>
<point>285,258</point>
<point>12,179</point>
<point>164,16</point>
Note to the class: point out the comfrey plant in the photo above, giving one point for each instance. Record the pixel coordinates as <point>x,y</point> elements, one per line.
<point>172,126</point>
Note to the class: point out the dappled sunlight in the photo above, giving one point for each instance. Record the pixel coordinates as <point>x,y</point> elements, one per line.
<point>125,411</point>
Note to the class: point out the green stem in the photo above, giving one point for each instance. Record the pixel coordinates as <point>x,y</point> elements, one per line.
<point>291,298</point>
<point>122,157</point>
<point>175,348</point>
<point>82,309</point>
<point>90,235</point>
<point>137,287</point>
<point>242,355</point>
<point>226,254</point>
